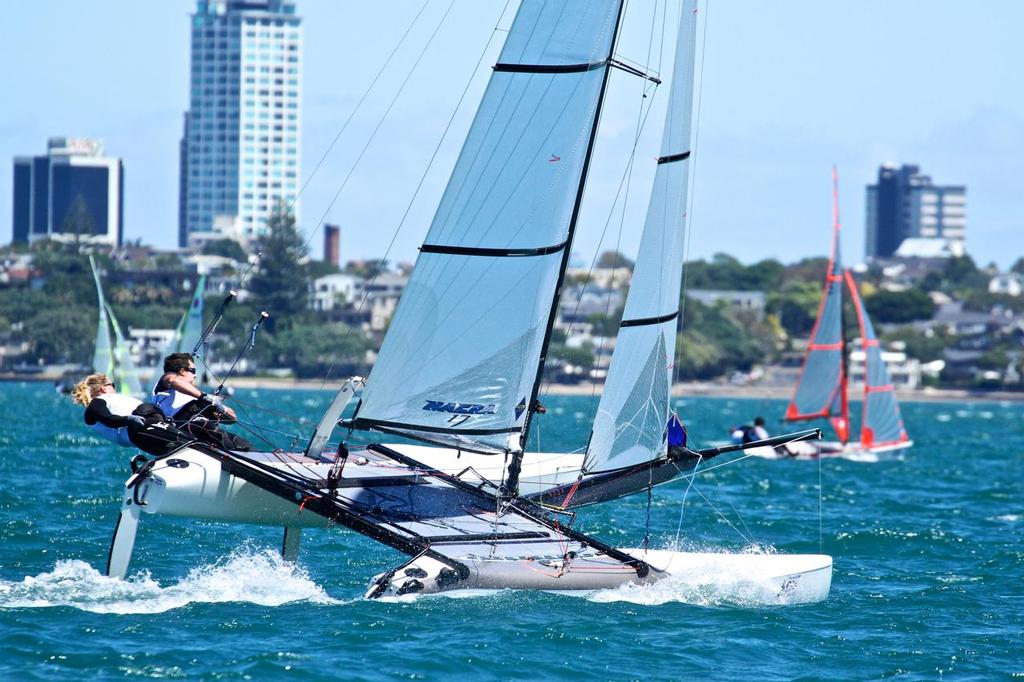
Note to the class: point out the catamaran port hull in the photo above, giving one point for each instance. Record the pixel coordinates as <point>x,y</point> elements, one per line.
<point>190,483</point>
<point>853,451</point>
<point>749,578</point>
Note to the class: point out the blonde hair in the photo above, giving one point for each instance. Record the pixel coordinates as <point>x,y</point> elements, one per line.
<point>88,388</point>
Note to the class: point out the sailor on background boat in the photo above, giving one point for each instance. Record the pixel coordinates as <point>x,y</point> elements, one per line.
<point>198,413</point>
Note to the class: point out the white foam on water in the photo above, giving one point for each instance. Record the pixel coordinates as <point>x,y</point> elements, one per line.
<point>247,575</point>
<point>712,585</point>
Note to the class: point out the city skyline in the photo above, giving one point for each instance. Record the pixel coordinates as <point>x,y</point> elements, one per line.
<point>784,96</point>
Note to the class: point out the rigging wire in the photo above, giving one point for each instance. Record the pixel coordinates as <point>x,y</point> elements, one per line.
<point>423,177</point>
<point>380,72</point>
<point>380,123</point>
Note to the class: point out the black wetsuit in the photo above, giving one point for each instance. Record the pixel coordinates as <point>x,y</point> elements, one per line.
<point>201,419</point>
<point>155,437</point>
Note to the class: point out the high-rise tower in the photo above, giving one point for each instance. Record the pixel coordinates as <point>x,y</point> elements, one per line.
<point>241,147</point>
<point>905,204</point>
<point>74,192</point>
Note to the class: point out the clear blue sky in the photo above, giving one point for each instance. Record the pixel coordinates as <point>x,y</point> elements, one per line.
<point>788,89</point>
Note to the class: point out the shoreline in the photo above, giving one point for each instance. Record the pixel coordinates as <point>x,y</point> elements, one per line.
<point>680,390</point>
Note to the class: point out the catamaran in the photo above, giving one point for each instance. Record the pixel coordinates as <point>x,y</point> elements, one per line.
<point>822,391</point>
<point>460,369</point>
<point>112,357</point>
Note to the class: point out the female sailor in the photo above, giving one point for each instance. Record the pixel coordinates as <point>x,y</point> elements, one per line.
<point>109,413</point>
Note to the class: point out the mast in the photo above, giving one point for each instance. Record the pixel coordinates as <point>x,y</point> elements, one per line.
<point>629,424</point>
<point>514,467</point>
<point>842,424</point>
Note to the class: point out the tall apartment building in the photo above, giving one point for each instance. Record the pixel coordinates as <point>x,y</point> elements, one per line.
<point>72,192</point>
<point>905,204</point>
<point>241,146</point>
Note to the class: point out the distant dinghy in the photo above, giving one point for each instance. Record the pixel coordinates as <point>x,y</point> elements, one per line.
<point>822,391</point>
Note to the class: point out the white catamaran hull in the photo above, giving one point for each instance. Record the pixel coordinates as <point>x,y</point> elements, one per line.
<point>192,484</point>
<point>853,451</point>
<point>764,578</point>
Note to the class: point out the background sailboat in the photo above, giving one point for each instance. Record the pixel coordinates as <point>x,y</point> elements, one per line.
<point>112,356</point>
<point>190,327</point>
<point>822,391</point>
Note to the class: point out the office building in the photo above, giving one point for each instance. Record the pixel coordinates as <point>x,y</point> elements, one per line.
<point>72,192</point>
<point>241,145</point>
<point>904,204</point>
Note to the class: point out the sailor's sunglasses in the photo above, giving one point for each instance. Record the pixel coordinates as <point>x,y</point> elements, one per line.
<point>189,369</point>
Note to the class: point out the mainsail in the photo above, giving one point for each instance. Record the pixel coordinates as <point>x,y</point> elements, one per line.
<point>821,391</point>
<point>881,423</point>
<point>630,423</point>
<point>462,358</point>
<point>190,327</point>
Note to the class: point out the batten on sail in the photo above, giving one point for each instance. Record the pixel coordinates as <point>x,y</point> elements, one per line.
<point>629,426</point>
<point>881,423</point>
<point>459,364</point>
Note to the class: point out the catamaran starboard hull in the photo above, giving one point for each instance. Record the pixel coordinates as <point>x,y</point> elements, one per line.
<point>751,578</point>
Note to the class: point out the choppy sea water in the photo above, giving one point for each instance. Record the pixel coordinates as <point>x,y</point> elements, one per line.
<point>928,582</point>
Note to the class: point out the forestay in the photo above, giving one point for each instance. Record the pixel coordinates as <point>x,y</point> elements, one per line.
<point>630,423</point>
<point>881,423</point>
<point>821,391</point>
<point>461,358</point>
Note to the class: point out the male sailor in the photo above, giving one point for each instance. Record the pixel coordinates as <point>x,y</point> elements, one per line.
<point>195,412</point>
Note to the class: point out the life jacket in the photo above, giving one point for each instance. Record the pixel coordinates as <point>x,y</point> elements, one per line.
<point>168,399</point>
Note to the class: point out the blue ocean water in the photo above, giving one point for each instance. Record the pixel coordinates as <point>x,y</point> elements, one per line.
<point>928,582</point>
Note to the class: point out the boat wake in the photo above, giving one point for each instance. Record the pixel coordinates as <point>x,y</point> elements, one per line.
<point>710,588</point>
<point>247,575</point>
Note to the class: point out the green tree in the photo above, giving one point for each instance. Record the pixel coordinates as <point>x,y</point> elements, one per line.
<point>899,306</point>
<point>925,346</point>
<point>613,259</point>
<point>61,335</point>
<point>314,350</point>
<point>795,306</point>
<point>366,268</point>
<point>78,222</point>
<point>280,285</point>
<point>228,248</point>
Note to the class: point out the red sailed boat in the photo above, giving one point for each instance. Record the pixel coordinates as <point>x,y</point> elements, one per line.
<point>822,390</point>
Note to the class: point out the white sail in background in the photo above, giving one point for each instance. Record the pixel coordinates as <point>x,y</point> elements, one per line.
<point>630,422</point>
<point>112,358</point>
<point>190,328</point>
<point>461,359</point>
<point>103,355</point>
<point>127,376</point>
